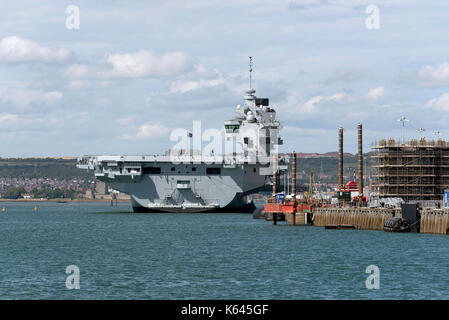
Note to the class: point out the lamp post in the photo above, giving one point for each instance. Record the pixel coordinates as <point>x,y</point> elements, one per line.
<point>403,119</point>
<point>437,133</point>
<point>421,131</point>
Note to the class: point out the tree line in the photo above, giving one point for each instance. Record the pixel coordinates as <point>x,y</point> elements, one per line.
<point>45,193</point>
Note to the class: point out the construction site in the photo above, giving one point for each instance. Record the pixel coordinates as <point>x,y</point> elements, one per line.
<point>410,180</point>
<point>416,171</point>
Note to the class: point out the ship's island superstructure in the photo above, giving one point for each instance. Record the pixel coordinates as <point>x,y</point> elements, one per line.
<point>187,181</point>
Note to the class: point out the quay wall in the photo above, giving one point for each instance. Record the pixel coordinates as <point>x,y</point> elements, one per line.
<point>360,218</point>
<point>434,221</point>
<point>300,218</point>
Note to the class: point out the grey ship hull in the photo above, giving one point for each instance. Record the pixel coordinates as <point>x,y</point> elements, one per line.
<point>246,208</point>
<point>162,186</point>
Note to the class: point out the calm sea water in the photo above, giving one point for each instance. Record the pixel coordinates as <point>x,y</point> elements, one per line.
<point>122,255</point>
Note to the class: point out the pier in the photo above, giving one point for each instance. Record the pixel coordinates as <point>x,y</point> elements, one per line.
<point>430,220</point>
<point>359,218</point>
<point>351,209</point>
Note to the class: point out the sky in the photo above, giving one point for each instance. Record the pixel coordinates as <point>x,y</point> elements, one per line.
<point>123,76</point>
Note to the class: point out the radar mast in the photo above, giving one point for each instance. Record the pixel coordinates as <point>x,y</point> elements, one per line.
<point>250,72</point>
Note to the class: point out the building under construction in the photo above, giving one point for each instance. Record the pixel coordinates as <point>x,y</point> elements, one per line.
<point>412,170</point>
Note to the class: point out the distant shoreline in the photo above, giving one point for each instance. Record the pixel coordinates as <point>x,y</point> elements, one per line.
<point>63,200</point>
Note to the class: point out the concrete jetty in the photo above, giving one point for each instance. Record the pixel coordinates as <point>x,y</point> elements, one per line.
<point>360,218</point>
<point>435,221</point>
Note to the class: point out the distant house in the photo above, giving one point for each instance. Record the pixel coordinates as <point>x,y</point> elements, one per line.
<point>89,194</point>
<point>101,187</point>
<point>28,196</point>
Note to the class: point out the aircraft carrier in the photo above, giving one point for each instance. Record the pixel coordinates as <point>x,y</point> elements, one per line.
<point>188,181</point>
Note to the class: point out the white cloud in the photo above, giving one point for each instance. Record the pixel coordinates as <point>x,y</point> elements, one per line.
<point>14,122</point>
<point>24,97</point>
<point>16,49</point>
<point>125,121</point>
<point>77,71</point>
<point>312,105</point>
<point>146,64</point>
<point>347,75</point>
<point>86,84</point>
<point>131,65</point>
<point>203,72</point>
<point>79,84</point>
<point>336,97</point>
<point>440,104</point>
<point>181,86</point>
<point>431,76</point>
<point>376,93</point>
<point>203,77</point>
<point>148,131</point>
<point>8,119</point>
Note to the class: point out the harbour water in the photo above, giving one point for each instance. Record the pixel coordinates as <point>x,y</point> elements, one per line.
<point>124,255</point>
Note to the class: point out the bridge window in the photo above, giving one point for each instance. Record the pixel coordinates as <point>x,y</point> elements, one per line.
<point>262,101</point>
<point>231,128</point>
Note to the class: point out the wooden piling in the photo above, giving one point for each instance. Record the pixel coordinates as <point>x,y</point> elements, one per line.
<point>435,221</point>
<point>360,158</point>
<point>293,194</point>
<point>274,221</point>
<point>360,218</point>
<point>340,157</point>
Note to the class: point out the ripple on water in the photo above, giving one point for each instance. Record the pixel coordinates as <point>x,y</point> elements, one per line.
<point>206,256</point>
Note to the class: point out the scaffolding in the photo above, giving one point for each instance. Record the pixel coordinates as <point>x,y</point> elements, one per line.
<point>412,170</point>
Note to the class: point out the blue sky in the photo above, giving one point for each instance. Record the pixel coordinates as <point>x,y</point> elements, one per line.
<point>136,70</point>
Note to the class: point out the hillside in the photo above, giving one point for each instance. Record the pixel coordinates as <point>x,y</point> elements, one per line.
<point>52,168</point>
<point>325,166</point>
